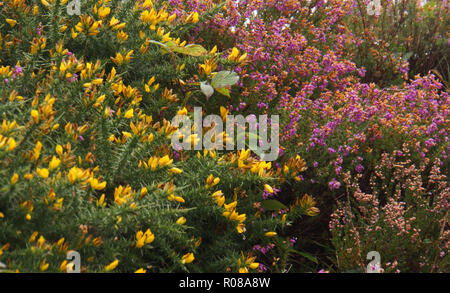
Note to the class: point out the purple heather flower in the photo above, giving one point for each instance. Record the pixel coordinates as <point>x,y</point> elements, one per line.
<point>293,241</point>
<point>334,184</point>
<point>18,69</point>
<point>262,268</point>
<point>359,168</point>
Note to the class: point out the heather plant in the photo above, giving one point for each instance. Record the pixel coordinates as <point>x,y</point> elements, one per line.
<point>296,52</point>
<point>402,213</point>
<point>305,60</point>
<point>405,39</point>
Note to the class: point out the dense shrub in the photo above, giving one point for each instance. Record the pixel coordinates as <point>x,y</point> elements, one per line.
<point>407,38</point>
<point>86,157</point>
<point>85,149</point>
<point>402,214</point>
<point>304,62</point>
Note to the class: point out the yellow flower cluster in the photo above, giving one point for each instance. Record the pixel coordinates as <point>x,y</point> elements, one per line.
<point>308,203</point>
<point>154,162</point>
<point>212,181</point>
<point>6,141</point>
<point>292,168</point>
<point>246,263</point>
<point>144,238</point>
<point>81,105</point>
<point>236,56</point>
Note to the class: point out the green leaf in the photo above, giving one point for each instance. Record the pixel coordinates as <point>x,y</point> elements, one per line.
<point>272,205</point>
<point>191,50</point>
<point>224,91</point>
<point>306,255</point>
<point>224,78</point>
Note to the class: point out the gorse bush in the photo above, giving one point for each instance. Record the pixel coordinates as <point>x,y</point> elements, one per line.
<point>85,149</point>
<point>87,161</point>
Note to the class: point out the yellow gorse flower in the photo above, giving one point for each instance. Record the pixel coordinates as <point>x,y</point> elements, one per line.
<point>271,234</point>
<point>181,221</point>
<point>122,36</point>
<point>246,263</point>
<point>307,203</point>
<point>240,228</point>
<point>173,197</point>
<point>35,116</point>
<point>14,178</point>
<point>54,163</point>
<point>11,22</point>
<point>165,161</point>
<point>144,238</point>
<point>212,181</point>
<point>193,17</point>
<point>112,265</point>
<point>42,172</point>
<point>268,188</point>
<point>76,173</point>
<point>187,258</point>
<point>43,266</point>
<point>129,114</point>
<point>175,170</point>
<point>96,184</point>
<point>103,12</point>
<point>234,54</point>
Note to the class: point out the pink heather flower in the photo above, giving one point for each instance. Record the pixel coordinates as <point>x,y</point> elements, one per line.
<point>18,69</point>
<point>334,184</point>
<point>262,268</point>
<point>359,168</point>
